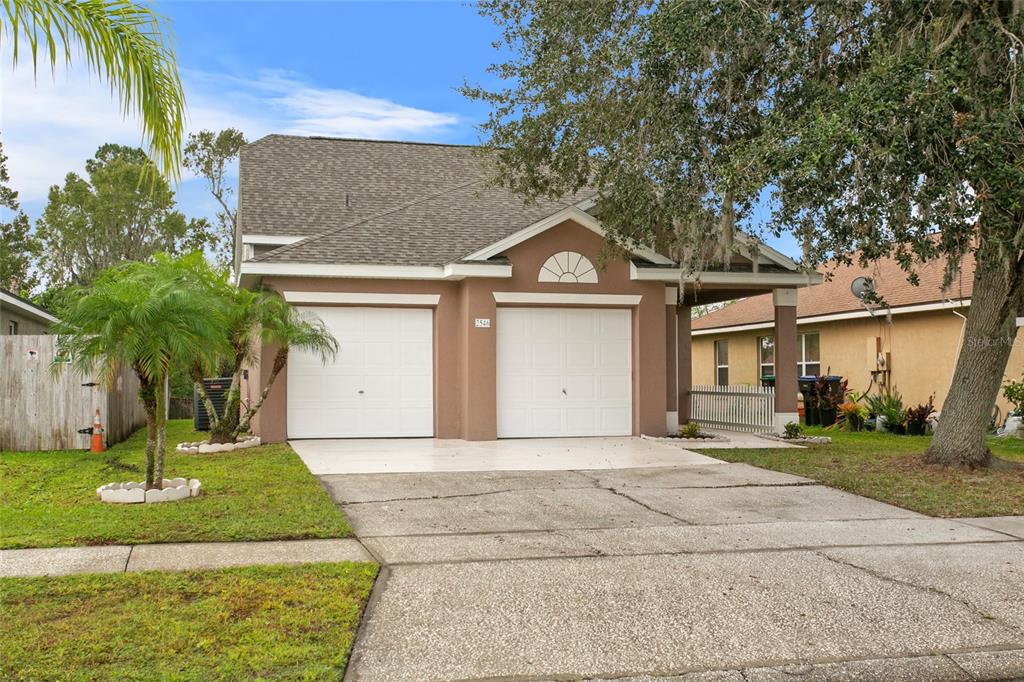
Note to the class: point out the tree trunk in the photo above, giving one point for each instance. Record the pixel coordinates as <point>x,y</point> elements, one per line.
<point>161,433</point>
<point>989,335</point>
<point>148,398</point>
<point>227,425</point>
<point>211,411</point>
<point>280,360</point>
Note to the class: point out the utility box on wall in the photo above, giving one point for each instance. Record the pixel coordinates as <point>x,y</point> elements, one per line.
<point>217,390</point>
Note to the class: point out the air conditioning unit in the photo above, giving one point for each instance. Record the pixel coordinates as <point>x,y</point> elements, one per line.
<point>217,390</point>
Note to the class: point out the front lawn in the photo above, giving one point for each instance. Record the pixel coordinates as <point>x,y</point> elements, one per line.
<point>48,499</point>
<point>289,622</point>
<point>889,468</point>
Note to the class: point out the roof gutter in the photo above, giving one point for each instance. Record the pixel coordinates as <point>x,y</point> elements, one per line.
<point>838,317</point>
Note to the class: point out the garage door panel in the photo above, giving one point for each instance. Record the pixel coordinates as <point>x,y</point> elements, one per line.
<point>379,384</point>
<point>546,355</point>
<point>415,356</point>
<point>581,355</point>
<point>577,376</point>
<point>615,388</point>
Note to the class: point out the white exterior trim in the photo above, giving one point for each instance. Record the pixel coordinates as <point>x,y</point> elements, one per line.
<point>672,422</point>
<point>361,298</point>
<point>780,419</point>
<point>270,239</point>
<point>451,271</point>
<point>671,295</point>
<point>566,299</point>
<point>797,279</point>
<point>836,317</point>
<point>569,213</point>
<point>26,307</point>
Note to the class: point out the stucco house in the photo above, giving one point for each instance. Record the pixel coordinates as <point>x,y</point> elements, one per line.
<point>19,316</point>
<point>463,312</point>
<point>910,344</point>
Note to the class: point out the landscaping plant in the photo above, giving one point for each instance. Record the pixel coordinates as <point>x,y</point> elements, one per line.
<point>691,430</point>
<point>1013,391</point>
<point>887,407</point>
<point>251,318</point>
<point>793,430</point>
<point>917,417</point>
<point>147,316</point>
<point>852,415</point>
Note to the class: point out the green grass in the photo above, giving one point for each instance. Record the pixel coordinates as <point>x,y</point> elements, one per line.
<point>48,499</point>
<point>282,622</point>
<point>889,468</point>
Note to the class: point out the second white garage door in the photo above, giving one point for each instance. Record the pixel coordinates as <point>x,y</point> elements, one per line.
<point>564,372</point>
<point>380,384</point>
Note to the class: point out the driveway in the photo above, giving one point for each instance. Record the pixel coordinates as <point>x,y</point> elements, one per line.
<point>702,570</point>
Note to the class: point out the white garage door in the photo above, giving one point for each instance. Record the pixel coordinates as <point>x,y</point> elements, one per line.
<point>564,372</point>
<point>380,384</point>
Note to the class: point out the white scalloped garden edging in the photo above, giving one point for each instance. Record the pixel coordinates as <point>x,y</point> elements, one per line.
<point>203,446</point>
<point>802,440</point>
<point>704,437</point>
<point>134,493</point>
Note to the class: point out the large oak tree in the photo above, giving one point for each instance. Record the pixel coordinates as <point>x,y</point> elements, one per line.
<point>865,128</point>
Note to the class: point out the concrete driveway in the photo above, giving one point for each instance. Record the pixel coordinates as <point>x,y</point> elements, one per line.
<point>698,571</point>
<point>404,455</point>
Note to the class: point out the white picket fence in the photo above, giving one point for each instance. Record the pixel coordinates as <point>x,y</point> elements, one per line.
<point>737,408</point>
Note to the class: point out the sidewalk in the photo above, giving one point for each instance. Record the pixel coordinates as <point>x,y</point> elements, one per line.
<point>175,556</point>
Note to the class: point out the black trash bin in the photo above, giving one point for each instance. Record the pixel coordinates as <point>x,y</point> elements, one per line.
<point>806,385</point>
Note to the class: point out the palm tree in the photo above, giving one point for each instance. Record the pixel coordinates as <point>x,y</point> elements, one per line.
<point>121,42</point>
<point>251,317</point>
<point>147,316</point>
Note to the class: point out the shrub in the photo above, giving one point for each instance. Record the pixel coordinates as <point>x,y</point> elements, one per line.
<point>852,415</point>
<point>793,430</point>
<point>1013,391</point>
<point>888,405</point>
<point>691,430</point>
<point>917,417</point>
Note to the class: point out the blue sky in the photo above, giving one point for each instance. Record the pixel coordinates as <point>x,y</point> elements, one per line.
<point>386,70</point>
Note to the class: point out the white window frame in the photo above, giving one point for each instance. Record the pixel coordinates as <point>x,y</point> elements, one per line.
<point>802,361</point>
<point>720,367</point>
<point>761,364</point>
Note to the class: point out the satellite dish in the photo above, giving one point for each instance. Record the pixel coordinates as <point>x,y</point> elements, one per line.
<point>862,287</point>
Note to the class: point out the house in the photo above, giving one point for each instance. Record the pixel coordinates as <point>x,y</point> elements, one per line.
<point>463,312</point>
<point>911,343</point>
<point>19,316</point>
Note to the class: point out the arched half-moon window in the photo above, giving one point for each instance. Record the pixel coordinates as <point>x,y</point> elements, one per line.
<point>570,267</point>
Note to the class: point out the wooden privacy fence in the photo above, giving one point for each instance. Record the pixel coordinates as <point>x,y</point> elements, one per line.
<point>739,408</point>
<point>43,411</point>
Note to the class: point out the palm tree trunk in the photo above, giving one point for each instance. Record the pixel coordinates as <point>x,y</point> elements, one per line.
<point>148,398</point>
<point>211,411</point>
<point>989,334</point>
<point>161,433</point>
<point>280,360</point>
<point>228,424</point>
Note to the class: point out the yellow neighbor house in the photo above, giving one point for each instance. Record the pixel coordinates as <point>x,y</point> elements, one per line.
<point>911,344</point>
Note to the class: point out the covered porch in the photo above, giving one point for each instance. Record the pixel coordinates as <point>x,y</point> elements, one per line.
<point>739,407</point>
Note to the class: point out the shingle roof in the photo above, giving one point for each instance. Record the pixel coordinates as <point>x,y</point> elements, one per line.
<point>833,296</point>
<point>371,202</point>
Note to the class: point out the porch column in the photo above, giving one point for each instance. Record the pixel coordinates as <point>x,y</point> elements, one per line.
<point>785,357</point>
<point>671,386</point>
<point>684,362</point>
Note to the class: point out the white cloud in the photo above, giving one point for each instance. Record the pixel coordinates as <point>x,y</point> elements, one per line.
<point>50,126</point>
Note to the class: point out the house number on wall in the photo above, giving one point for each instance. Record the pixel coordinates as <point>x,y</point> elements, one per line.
<point>483,323</point>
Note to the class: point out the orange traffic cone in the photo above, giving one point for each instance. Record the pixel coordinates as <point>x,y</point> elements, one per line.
<point>97,435</point>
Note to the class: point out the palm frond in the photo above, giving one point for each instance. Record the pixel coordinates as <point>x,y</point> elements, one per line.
<point>122,42</point>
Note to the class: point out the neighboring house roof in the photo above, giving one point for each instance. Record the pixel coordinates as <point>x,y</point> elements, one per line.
<point>833,296</point>
<point>9,299</point>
